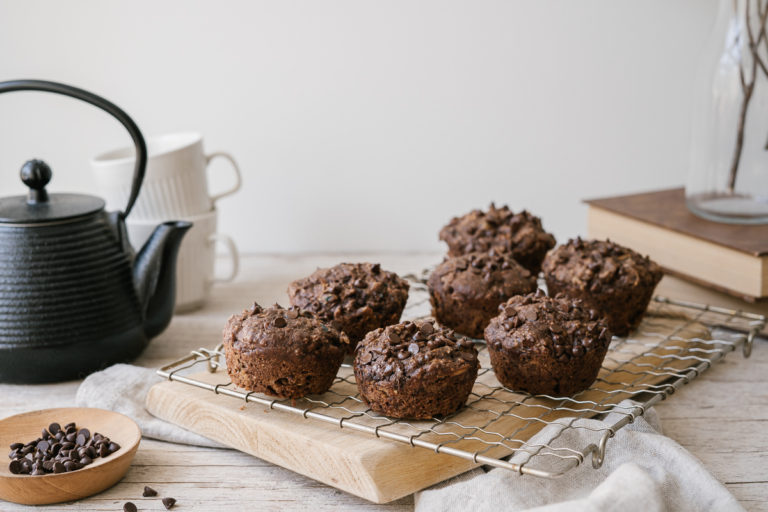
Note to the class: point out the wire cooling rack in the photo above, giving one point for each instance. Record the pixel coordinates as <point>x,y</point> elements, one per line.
<point>529,434</point>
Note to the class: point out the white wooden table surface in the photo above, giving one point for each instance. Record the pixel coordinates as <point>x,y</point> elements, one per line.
<point>721,417</point>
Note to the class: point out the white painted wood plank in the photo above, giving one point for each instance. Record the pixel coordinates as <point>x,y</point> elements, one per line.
<point>720,417</point>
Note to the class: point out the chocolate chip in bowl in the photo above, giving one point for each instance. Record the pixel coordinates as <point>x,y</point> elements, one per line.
<point>415,370</point>
<point>547,346</point>
<point>607,276</point>
<point>520,234</point>
<point>287,353</point>
<point>65,454</point>
<point>354,297</point>
<point>465,291</point>
<point>58,450</point>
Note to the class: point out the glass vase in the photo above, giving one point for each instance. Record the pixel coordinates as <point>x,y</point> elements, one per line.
<point>728,174</point>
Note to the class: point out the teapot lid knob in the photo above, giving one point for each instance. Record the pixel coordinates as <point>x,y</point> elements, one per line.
<point>38,207</point>
<point>36,174</point>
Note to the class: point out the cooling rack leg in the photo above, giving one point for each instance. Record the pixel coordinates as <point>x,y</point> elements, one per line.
<point>213,366</point>
<point>598,453</point>
<point>746,349</point>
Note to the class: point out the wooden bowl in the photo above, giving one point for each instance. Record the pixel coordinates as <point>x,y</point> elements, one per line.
<point>103,473</point>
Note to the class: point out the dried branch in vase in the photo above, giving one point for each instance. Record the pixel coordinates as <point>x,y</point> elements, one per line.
<point>748,84</point>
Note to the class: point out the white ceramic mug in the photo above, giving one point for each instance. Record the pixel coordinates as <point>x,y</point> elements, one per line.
<point>175,184</point>
<point>195,267</point>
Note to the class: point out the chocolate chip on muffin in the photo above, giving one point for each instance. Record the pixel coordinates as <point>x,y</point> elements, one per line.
<point>415,370</point>
<point>466,290</point>
<point>547,346</point>
<point>288,353</point>
<point>520,234</point>
<point>354,297</point>
<point>607,276</point>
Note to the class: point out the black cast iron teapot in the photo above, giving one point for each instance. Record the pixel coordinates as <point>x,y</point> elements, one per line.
<point>73,296</point>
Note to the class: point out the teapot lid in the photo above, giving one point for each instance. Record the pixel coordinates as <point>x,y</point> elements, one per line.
<point>39,207</point>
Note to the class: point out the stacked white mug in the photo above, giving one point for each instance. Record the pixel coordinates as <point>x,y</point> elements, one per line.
<point>175,188</point>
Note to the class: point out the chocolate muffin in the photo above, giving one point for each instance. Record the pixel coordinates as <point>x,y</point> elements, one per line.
<point>415,370</point>
<point>466,291</point>
<point>520,234</point>
<point>353,297</point>
<point>286,353</point>
<point>547,346</point>
<point>607,276</point>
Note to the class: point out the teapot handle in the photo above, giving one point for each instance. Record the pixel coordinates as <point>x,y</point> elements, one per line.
<point>98,101</point>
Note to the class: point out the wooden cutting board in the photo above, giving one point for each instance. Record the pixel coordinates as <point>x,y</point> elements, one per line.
<point>381,470</point>
<point>375,469</point>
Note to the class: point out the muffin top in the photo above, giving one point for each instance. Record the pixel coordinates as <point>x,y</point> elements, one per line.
<point>600,265</point>
<point>482,275</point>
<point>520,234</point>
<point>411,350</point>
<point>277,330</point>
<point>554,328</point>
<point>349,291</point>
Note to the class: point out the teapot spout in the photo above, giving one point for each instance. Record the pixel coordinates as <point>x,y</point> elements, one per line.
<point>154,275</point>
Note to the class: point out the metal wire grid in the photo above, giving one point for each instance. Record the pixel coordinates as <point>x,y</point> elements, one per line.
<point>676,342</point>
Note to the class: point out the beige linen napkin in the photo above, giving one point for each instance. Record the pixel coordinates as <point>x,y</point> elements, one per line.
<point>644,471</point>
<point>123,388</point>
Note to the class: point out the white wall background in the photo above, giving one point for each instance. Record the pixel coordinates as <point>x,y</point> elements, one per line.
<point>366,125</point>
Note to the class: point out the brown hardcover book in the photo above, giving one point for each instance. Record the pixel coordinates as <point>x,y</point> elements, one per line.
<point>726,257</point>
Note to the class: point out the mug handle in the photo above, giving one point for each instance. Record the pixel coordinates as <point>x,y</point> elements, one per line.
<point>233,254</point>
<point>238,178</point>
